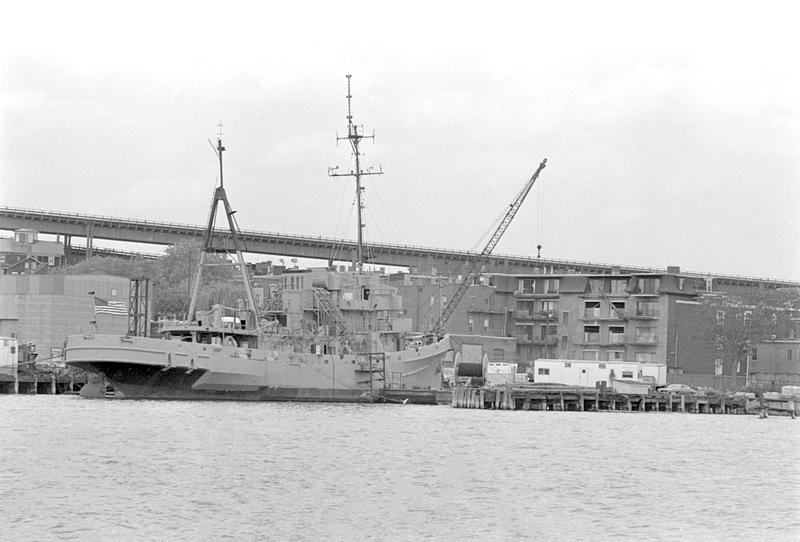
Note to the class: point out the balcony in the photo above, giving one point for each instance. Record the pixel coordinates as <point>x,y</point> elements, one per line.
<point>645,314</point>
<point>645,292</point>
<point>616,338</point>
<point>551,340</point>
<point>645,339</point>
<point>591,337</point>
<point>591,314</point>
<point>527,292</point>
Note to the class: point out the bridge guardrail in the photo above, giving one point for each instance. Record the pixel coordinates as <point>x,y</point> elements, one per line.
<point>461,254</point>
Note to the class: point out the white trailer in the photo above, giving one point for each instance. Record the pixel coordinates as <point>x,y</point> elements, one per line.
<point>574,372</point>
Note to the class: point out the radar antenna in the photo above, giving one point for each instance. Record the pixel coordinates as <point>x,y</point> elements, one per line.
<point>355,137</point>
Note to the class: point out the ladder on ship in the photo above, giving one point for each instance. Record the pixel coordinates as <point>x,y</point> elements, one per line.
<point>334,315</point>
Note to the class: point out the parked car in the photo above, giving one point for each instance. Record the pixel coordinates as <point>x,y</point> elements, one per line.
<point>678,389</point>
<point>708,391</point>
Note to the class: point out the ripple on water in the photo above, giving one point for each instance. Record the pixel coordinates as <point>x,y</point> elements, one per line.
<point>133,470</point>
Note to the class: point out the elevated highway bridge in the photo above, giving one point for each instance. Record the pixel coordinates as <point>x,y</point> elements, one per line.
<point>91,227</point>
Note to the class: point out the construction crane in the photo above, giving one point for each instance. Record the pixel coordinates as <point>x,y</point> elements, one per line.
<point>483,257</point>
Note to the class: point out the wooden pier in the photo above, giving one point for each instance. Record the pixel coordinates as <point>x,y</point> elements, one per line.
<point>41,383</point>
<point>577,399</point>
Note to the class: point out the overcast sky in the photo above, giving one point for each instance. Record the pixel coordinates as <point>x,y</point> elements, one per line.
<point>672,130</point>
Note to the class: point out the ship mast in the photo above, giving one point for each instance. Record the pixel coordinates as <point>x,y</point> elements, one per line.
<point>354,137</point>
<point>208,243</point>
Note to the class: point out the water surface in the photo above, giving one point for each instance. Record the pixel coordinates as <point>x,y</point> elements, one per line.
<point>77,469</point>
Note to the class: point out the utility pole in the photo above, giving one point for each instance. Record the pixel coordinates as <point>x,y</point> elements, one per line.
<point>354,137</point>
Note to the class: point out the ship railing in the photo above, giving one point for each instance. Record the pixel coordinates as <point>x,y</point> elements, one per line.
<point>375,366</point>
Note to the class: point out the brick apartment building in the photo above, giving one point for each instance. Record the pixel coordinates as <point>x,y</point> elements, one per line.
<point>649,317</point>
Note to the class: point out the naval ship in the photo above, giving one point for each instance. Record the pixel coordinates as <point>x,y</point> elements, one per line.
<point>325,335</point>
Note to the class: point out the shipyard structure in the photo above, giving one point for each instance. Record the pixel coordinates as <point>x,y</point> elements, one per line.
<point>641,318</point>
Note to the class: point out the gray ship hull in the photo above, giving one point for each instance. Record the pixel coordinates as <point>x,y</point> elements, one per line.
<point>148,368</point>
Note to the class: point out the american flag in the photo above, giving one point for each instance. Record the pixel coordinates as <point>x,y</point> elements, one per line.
<point>109,306</point>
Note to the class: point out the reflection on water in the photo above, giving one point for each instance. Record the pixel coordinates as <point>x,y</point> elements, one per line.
<point>76,469</point>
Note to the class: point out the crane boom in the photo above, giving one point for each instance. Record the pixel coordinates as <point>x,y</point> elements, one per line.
<point>487,251</point>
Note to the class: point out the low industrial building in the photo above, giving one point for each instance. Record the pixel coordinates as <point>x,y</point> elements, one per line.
<point>26,253</point>
<point>45,309</point>
<point>776,361</point>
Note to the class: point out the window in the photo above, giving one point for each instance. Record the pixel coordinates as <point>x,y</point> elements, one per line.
<point>616,355</point>
<point>527,286</point>
<point>596,286</point>
<point>471,324</point>
<point>543,371</point>
<point>551,286</point>
<point>646,335</point>
<point>591,309</point>
<point>747,317</point>
<point>645,357</point>
<point>564,341</point>
<point>618,286</point>
<point>567,364</point>
<point>789,354</point>
<point>617,309</point>
<point>721,318</point>
<point>647,308</point>
<point>627,373</point>
<point>524,309</point>
<point>681,283</point>
<point>523,332</point>
<point>616,334</point>
<point>589,355</point>
<point>486,324</point>
<point>649,285</point>
<point>591,334</point>
<point>498,353</point>
<point>548,330</point>
<point>565,317</point>
<point>550,308</point>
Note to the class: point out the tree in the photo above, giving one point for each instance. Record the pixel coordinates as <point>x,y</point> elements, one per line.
<point>731,325</point>
<point>171,276</point>
<point>112,265</point>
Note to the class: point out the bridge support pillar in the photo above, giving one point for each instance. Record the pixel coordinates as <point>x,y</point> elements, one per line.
<point>89,240</point>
